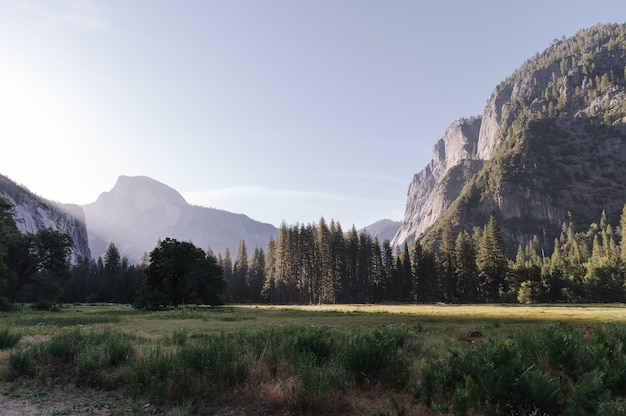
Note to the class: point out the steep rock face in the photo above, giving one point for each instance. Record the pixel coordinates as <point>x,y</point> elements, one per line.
<point>552,143</point>
<point>33,213</point>
<point>435,187</point>
<point>139,211</point>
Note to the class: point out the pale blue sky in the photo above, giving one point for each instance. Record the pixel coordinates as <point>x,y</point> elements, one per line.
<point>281,110</point>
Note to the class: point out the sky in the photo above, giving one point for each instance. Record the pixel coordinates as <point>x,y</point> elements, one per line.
<point>283,110</point>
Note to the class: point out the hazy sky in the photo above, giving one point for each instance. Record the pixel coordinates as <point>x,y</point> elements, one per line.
<point>281,110</point>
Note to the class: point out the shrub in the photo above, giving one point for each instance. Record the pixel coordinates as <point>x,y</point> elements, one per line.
<point>6,305</point>
<point>46,305</point>
<point>8,338</point>
<point>376,356</point>
<point>21,364</point>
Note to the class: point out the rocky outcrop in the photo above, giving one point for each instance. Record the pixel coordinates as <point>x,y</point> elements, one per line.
<point>139,211</point>
<point>551,147</point>
<point>33,213</point>
<point>433,189</point>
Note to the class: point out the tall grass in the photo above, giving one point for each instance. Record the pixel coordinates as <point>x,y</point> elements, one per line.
<point>560,369</point>
<point>284,368</point>
<point>8,338</point>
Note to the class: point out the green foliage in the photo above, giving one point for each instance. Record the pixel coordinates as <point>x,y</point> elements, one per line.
<point>378,355</point>
<point>8,338</point>
<point>74,355</point>
<point>180,273</point>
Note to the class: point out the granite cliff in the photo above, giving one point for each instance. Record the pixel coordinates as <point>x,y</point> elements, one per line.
<point>549,148</point>
<point>33,213</point>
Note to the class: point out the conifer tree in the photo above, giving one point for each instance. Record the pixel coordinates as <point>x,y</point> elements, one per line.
<point>492,261</point>
<point>465,269</point>
<point>622,224</point>
<point>256,275</point>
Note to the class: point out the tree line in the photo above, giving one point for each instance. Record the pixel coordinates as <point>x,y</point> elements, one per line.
<point>320,263</point>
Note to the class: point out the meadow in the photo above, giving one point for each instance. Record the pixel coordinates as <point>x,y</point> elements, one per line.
<point>320,359</point>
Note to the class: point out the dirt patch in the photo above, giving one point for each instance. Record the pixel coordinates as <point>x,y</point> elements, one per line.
<point>36,401</point>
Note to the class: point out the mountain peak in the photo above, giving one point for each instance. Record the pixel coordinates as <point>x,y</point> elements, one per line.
<point>138,211</point>
<point>142,193</point>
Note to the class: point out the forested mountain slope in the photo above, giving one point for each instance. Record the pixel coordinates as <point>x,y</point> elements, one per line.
<point>550,148</point>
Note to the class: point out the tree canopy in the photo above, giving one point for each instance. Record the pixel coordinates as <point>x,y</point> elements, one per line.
<point>180,273</point>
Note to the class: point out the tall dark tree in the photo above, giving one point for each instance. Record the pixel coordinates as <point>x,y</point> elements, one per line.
<point>492,261</point>
<point>240,275</point>
<point>180,273</point>
<point>447,260</point>
<point>465,270</point>
<point>268,292</point>
<point>8,233</point>
<point>42,260</point>
<point>111,284</point>
<point>256,275</point>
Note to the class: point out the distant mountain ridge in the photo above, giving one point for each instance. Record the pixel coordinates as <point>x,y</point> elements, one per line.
<point>138,211</point>
<point>33,213</point>
<point>384,229</point>
<point>549,148</point>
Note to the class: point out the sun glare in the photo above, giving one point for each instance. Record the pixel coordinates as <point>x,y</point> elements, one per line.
<point>43,139</point>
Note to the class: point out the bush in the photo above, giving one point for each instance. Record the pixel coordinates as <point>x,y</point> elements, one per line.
<point>6,305</point>
<point>376,356</point>
<point>46,305</point>
<point>77,354</point>
<point>8,338</point>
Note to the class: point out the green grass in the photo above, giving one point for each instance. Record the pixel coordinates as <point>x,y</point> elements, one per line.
<point>361,359</point>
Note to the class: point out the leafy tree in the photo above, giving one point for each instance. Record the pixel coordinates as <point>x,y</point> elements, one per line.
<point>8,232</point>
<point>41,259</point>
<point>180,273</point>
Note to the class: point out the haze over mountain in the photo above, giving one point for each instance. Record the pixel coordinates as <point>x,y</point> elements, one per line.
<point>138,211</point>
<point>383,229</point>
<point>33,213</point>
<point>549,148</point>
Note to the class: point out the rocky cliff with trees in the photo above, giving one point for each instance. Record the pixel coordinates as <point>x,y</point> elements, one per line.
<point>549,149</point>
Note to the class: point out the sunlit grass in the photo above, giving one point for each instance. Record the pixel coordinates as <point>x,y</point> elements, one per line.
<point>322,357</point>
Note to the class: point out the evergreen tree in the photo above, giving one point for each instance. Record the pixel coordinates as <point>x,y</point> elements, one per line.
<point>465,270</point>
<point>268,293</point>
<point>110,286</point>
<point>240,274</point>
<point>226,263</point>
<point>256,275</point>
<point>364,268</point>
<point>447,260</point>
<point>492,261</point>
<point>622,224</point>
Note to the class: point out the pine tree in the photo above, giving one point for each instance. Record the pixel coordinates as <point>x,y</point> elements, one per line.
<point>111,283</point>
<point>622,224</point>
<point>492,261</point>
<point>226,263</point>
<point>256,275</point>
<point>447,261</point>
<point>268,292</point>
<point>465,269</point>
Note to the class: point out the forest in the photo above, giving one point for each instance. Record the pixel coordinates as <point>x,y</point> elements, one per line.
<point>322,264</point>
